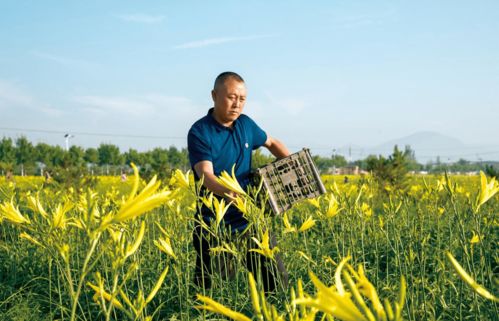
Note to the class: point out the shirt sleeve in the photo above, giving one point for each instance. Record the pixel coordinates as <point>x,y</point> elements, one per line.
<point>198,147</point>
<point>259,136</point>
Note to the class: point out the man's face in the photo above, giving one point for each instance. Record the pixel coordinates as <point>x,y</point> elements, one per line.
<point>229,101</point>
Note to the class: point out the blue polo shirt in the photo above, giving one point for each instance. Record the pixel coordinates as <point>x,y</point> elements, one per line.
<point>209,140</point>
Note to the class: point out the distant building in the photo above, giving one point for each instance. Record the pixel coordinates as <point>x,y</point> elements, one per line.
<point>347,170</point>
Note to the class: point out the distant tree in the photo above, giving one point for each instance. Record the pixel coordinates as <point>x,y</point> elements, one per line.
<point>175,157</point>
<point>491,171</point>
<point>7,151</point>
<point>109,154</point>
<point>389,171</point>
<point>159,162</point>
<point>91,156</point>
<point>258,159</point>
<point>339,160</point>
<point>185,164</point>
<point>7,155</point>
<point>323,164</point>
<point>57,155</point>
<point>133,156</point>
<point>43,153</point>
<point>410,158</point>
<point>76,156</point>
<point>25,154</point>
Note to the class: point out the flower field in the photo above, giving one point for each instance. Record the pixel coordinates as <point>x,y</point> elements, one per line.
<point>122,250</point>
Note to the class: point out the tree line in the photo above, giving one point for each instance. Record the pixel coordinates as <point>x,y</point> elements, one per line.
<point>22,157</point>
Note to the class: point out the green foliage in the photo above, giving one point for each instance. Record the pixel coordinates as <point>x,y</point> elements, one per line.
<point>325,164</point>
<point>91,156</point>
<point>492,171</point>
<point>390,235</point>
<point>7,151</point>
<point>390,172</point>
<point>258,159</point>
<point>109,154</point>
<point>22,157</point>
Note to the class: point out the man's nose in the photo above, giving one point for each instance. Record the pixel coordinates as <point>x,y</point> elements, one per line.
<point>237,103</point>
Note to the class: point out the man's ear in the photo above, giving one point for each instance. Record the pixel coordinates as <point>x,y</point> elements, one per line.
<point>213,95</point>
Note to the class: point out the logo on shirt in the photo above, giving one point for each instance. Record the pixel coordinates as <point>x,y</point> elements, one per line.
<point>246,145</point>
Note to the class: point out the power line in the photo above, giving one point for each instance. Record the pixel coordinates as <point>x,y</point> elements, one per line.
<point>88,133</point>
<point>339,151</point>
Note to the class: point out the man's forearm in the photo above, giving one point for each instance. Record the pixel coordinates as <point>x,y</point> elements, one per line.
<point>278,149</point>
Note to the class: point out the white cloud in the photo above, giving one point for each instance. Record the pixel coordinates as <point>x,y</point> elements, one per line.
<point>365,20</point>
<point>14,98</point>
<point>65,61</point>
<point>116,105</point>
<point>146,106</point>
<point>217,41</point>
<point>51,112</point>
<point>291,106</point>
<point>141,18</point>
<point>10,95</point>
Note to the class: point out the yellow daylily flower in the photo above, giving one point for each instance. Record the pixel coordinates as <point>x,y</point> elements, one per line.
<point>242,204</point>
<point>468,279</point>
<point>59,216</point>
<point>180,179</point>
<point>165,246</point>
<point>314,202</point>
<point>264,246</point>
<point>208,200</point>
<point>366,209</point>
<point>157,286</point>
<point>35,205</point>
<point>230,182</point>
<point>288,228</point>
<point>475,239</point>
<point>136,205</point>
<point>225,248</point>
<point>11,212</point>
<point>254,295</point>
<point>64,251</point>
<point>381,221</point>
<point>336,301</point>
<point>100,292</point>
<point>115,234</point>
<point>214,306</point>
<point>220,209</point>
<point>132,248</point>
<point>309,223</point>
<point>333,207</point>
<point>331,301</point>
<point>28,237</point>
<point>487,190</point>
<point>367,289</point>
<point>306,257</point>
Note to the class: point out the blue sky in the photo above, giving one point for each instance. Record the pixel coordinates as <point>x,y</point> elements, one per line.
<point>321,74</point>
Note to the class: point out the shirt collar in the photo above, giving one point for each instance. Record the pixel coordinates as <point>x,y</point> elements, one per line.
<point>217,125</point>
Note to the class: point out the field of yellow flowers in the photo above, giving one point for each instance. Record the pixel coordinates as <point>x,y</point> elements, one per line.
<point>122,250</point>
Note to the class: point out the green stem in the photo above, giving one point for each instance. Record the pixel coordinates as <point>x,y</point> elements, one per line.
<point>83,275</point>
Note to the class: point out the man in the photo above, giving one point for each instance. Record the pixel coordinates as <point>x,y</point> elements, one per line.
<point>224,138</point>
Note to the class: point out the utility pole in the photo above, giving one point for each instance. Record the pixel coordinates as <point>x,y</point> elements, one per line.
<point>67,137</point>
<point>334,161</point>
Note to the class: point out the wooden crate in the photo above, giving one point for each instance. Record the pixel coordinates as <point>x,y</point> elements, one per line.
<point>290,180</point>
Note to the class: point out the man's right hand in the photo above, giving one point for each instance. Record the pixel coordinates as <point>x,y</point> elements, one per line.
<point>205,169</point>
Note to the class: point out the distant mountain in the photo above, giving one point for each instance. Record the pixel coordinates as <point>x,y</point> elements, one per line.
<point>430,145</point>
